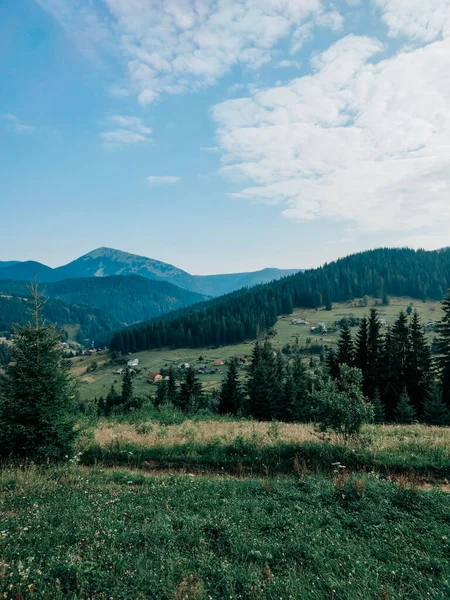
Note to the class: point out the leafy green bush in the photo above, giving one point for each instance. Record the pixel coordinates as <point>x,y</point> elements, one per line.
<point>340,405</point>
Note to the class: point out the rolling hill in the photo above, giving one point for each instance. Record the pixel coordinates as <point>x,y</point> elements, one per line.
<point>95,305</point>
<point>245,314</point>
<point>104,262</point>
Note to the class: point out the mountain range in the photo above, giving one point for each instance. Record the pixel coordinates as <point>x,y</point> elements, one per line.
<point>104,262</point>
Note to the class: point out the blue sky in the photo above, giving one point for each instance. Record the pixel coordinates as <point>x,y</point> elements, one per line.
<point>223,135</point>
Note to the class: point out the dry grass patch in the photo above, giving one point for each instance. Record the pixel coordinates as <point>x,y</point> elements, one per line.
<point>201,432</point>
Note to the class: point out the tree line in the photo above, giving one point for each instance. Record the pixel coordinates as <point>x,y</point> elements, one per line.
<point>248,313</point>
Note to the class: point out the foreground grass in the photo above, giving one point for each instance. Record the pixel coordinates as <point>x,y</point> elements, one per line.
<point>86,534</point>
<point>251,447</point>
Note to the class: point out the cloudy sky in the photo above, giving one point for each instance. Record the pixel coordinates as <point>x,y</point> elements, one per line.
<point>223,135</point>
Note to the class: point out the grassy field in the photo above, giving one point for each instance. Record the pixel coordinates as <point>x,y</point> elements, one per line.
<point>417,452</point>
<point>98,382</point>
<point>84,534</point>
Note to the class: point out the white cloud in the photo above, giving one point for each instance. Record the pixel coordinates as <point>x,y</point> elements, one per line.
<point>174,46</point>
<point>163,179</point>
<point>9,117</point>
<point>356,140</point>
<point>16,125</point>
<point>415,19</point>
<point>131,131</point>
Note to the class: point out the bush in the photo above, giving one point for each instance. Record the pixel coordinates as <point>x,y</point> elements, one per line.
<point>340,404</point>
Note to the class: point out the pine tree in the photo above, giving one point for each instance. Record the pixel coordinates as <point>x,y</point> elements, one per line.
<point>374,351</point>
<point>37,393</point>
<point>161,396</point>
<point>190,396</point>
<point>172,390</point>
<point>126,397</point>
<point>289,395</point>
<point>418,368</point>
<point>111,401</point>
<point>443,360</point>
<point>278,411</point>
<point>300,409</point>
<point>404,411</point>
<point>332,363</point>
<point>378,408</point>
<point>435,411</point>
<point>345,353</point>
<point>230,397</point>
<point>361,351</point>
<point>258,405</point>
<point>391,382</point>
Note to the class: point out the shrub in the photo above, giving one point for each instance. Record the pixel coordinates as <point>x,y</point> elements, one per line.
<point>340,404</point>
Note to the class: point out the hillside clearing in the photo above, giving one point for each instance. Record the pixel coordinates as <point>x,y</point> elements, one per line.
<point>99,382</point>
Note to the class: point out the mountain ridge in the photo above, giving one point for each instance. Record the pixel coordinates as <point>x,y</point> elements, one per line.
<point>105,262</point>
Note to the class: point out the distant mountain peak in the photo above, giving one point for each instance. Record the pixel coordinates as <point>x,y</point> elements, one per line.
<point>105,262</point>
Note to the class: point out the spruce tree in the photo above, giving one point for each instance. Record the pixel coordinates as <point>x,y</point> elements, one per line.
<point>435,411</point>
<point>37,393</point>
<point>391,382</point>
<point>374,351</point>
<point>345,353</point>
<point>378,408</point>
<point>443,361</point>
<point>418,368</point>
<point>361,351</point>
<point>289,395</point>
<point>332,364</point>
<point>190,396</point>
<point>259,405</point>
<point>111,401</point>
<point>126,397</point>
<point>172,390</point>
<point>161,396</point>
<point>278,411</point>
<point>230,396</point>
<point>404,411</point>
<point>300,409</point>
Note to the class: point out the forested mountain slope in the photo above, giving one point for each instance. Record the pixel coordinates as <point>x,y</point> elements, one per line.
<point>243,315</point>
<point>122,300</point>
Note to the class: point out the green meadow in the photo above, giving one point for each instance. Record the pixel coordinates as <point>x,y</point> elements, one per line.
<point>75,533</point>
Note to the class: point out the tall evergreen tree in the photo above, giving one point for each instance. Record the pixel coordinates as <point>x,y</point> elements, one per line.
<point>127,389</point>
<point>300,409</point>
<point>172,390</point>
<point>435,411</point>
<point>289,396</point>
<point>37,394</point>
<point>418,369</point>
<point>361,351</point>
<point>374,351</point>
<point>404,411</point>
<point>378,408</point>
<point>391,382</point>
<point>161,396</point>
<point>345,353</point>
<point>259,403</point>
<point>332,363</point>
<point>443,360</point>
<point>277,408</point>
<point>190,395</point>
<point>231,396</point>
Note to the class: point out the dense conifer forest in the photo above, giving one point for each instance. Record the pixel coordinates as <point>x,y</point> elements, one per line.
<point>246,313</point>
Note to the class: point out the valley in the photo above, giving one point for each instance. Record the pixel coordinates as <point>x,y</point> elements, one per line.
<point>97,382</point>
